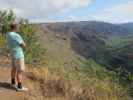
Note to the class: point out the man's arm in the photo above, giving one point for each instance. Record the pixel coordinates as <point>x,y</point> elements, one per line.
<point>23,45</point>
<point>20,41</point>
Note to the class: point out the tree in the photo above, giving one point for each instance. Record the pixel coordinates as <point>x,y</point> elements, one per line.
<point>6,18</point>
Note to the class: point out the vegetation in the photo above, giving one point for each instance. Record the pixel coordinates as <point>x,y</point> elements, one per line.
<point>34,52</point>
<point>73,75</point>
<point>119,42</point>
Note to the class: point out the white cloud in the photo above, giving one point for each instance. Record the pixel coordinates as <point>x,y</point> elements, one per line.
<point>41,9</point>
<point>78,18</point>
<point>123,9</point>
<point>117,14</point>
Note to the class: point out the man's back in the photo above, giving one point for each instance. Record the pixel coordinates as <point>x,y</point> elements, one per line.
<point>14,40</point>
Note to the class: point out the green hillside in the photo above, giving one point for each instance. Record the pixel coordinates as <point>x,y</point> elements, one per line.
<point>62,58</point>
<point>119,42</point>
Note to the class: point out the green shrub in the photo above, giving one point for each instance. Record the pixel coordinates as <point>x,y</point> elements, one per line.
<point>34,53</point>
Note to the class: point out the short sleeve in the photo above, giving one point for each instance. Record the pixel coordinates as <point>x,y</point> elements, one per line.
<point>19,39</point>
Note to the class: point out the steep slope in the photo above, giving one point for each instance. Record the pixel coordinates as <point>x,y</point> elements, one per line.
<point>128,26</point>
<point>44,85</point>
<point>71,65</point>
<point>89,39</point>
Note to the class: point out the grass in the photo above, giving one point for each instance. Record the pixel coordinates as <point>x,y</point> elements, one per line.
<point>80,87</point>
<point>68,76</point>
<point>119,42</point>
<point>88,79</point>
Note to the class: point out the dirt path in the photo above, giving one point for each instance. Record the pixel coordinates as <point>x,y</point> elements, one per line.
<point>31,81</point>
<point>42,85</point>
<point>6,92</point>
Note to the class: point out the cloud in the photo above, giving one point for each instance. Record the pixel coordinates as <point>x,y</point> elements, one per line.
<point>41,9</point>
<point>125,9</point>
<point>118,13</point>
<point>56,10</point>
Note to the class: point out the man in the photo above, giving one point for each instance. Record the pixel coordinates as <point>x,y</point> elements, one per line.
<point>16,45</point>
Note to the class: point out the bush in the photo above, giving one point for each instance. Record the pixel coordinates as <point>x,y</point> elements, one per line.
<point>34,53</point>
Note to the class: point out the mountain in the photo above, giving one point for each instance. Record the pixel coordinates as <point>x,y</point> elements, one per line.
<point>90,48</point>
<point>91,27</point>
<point>90,39</point>
<point>128,26</point>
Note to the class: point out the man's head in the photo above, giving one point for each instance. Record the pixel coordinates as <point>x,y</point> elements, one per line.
<point>13,27</point>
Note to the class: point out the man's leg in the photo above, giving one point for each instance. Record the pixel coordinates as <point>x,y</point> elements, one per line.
<point>19,78</point>
<point>13,75</point>
<point>20,71</point>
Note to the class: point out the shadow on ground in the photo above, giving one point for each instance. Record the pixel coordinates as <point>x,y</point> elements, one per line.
<point>5,85</point>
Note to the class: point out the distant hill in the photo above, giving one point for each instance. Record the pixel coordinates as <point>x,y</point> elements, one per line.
<point>128,26</point>
<point>91,27</point>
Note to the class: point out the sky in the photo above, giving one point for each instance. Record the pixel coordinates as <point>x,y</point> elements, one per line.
<point>114,11</point>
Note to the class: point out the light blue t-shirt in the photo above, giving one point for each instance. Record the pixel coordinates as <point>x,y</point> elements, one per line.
<point>14,40</point>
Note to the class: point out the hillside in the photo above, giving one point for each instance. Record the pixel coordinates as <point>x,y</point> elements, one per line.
<point>78,66</point>
<point>128,26</point>
<point>77,40</point>
<point>91,27</point>
<point>90,39</point>
<point>44,85</point>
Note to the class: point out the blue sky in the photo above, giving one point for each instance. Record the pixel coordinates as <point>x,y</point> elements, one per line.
<point>114,11</point>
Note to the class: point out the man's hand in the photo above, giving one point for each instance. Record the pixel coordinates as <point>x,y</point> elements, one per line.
<point>23,45</point>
